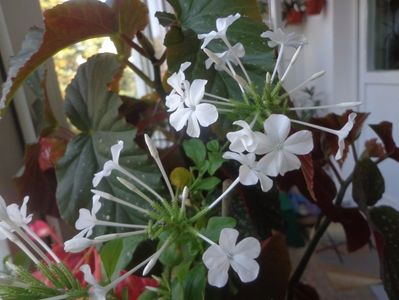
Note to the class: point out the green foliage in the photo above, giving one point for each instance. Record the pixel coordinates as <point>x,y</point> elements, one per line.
<point>93,110</point>
<point>215,226</point>
<point>368,183</point>
<point>117,254</point>
<point>195,150</point>
<point>59,275</point>
<point>197,17</point>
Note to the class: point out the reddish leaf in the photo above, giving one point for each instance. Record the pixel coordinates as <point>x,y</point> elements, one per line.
<point>374,148</point>
<point>308,173</point>
<point>325,144</point>
<point>135,285</point>
<point>305,292</point>
<point>51,149</point>
<point>40,186</point>
<point>384,132</point>
<point>67,24</point>
<point>275,268</point>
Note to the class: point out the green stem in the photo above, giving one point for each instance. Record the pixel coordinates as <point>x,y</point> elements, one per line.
<point>141,74</point>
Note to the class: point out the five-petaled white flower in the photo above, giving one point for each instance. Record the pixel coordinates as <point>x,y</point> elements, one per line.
<point>229,56</point>
<point>109,165</point>
<point>78,243</point>
<point>244,139</point>
<point>176,81</point>
<point>96,292</point>
<point>222,24</point>
<point>279,38</point>
<point>281,149</point>
<point>194,113</point>
<point>87,219</point>
<point>241,257</point>
<point>250,172</point>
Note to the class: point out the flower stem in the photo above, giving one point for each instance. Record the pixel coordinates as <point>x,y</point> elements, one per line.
<point>279,57</point>
<point>220,198</point>
<point>134,189</point>
<point>41,243</point>
<point>111,236</point>
<point>116,224</point>
<point>217,97</point>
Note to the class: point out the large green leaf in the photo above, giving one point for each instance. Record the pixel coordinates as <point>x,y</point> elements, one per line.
<point>67,24</point>
<point>200,16</point>
<point>94,111</point>
<point>117,254</point>
<point>368,183</point>
<point>386,221</point>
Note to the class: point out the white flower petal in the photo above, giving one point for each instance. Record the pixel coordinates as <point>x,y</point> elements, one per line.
<point>87,275</point>
<point>288,162</point>
<point>196,92</point>
<point>207,37</point>
<point>269,164</point>
<point>234,156</point>
<point>173,102</point>
<point>206,114</point>
<point>179,118</point>
<point>247,176</point>
<point>223,23</point>
<point>116,151</point>
<point>218,276</point>
<point>77,244</point>
<point>277,127</point>
<point>299,143</point>
<point>246,268</point>
<point>265,182</point>
<point>213,256</point>
<point>227,239</point>
<point>249,247</point>
<point>263,143</point>
<point>193,128</point>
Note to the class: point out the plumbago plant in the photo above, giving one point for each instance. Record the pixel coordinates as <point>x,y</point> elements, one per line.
<point>212,227</point>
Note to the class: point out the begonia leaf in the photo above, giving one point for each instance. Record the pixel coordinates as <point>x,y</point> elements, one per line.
<point>66,24</point>
<point>386,221</point>
<point>384,132</point>
<point>93,110</point>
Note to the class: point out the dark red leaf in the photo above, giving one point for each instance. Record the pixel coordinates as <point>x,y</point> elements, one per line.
<point>384,132</point>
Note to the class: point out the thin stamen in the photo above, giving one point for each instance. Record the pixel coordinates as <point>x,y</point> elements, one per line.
<point>311,78</point>
<point>340,105</point>
<point>155,156</point>
<point>60,297</point>
<point>111,236</point>
<point>232,186</point>
<point>329,130</point>
<point>279,57</point>
<point>217,97</point>
<point>155,257</point>
<point>293,60</point>
<point>119,201</point>
<point>210,242</point>
<point>227,42</point>
<point>144,185</point>
<point>116,224</point>
<point>217,102</point>
<point>13,238</point>
<point>134,189</point>
<point>184,196</point>
<point>41,243</point>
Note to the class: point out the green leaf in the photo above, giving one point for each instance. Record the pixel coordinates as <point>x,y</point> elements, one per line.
<point>215,226</point>
<point>93,110</point>
<point>165,18</point>
<point>117,254</point>
<point>199,16</point>
<point>208,183</point>
<point>386,220</point>
<point>213,146</point>
<point>148,295</point>
<point>368,183</point>
<point>195,283</point>
<point>195,150</point>
<point>215,162</point>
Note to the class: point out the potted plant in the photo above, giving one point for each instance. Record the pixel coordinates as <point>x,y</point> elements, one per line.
<point>314,7</point>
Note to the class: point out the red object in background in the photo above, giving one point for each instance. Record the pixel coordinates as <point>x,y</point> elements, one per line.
<point>294,17</point>
<point>314,7</point>
<point>135,285</point>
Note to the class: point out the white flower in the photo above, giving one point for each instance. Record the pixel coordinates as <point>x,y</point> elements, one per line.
<point>228,57</point>
<point>194,112</point>
<point>87,219</point>
<point>343,133</point>
<point>249,171</point>
<point>77,244</point>
<point>281,149</point>
<point>222,24</point>
<point>244,139</point>
<point>241,257</point>
<point>279,37</point>
<point>18,215</point>
<point>176,81</point>
<point>97,292</point>
<point>109,165</point>
<point>3,209</point>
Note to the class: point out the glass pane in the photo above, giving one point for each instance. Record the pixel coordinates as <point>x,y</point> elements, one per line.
<point>383,34</point>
